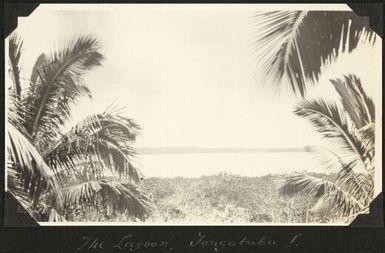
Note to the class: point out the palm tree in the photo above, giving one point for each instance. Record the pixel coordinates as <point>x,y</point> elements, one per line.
<point>348,189</point>
<point>291,46</point>
<point>94,164</point>
<point>49,170</point>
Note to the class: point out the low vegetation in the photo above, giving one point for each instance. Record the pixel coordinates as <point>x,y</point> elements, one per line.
<point>220,199</point>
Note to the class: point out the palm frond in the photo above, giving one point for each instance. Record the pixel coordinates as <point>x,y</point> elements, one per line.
<point>37,210</point>
<point>368,139</point>
<point>15,112</point>
<point>342,202</point>
<point>332,123</point>
<point>15,47</point>
<point>358,105</point>
<point>329,159</point>
<point>58,87</point>
<point>102,138</point>
<point>277,42</point>
<point>357,184</point>
<point>25,202</point>
<point>29,163</point>
<point>339,199</point>
<point>54,216</point>
<point>37,67</point>
<point>302,183</point>
<point>293,45</point>
<point>24,153</point>
<point>123,197</point>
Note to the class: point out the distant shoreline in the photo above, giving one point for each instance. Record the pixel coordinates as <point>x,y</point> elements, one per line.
<point>196,150</point>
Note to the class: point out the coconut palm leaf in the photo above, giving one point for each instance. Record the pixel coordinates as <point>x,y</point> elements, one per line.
<point>276,43</point>
<point>332,123</point>
<point>32,171</point>
<point>25,202</point>
<point>15,112</point>
<point>360,185</point>
<point>342,202</point>
<point>291,46</point>
<point>368,139</point>
<point>339,199</point>
<point>22,152</point>
<point>123,197</point>
<point>103,137</point>
<point>14,50</point>
<point>37,67</point>
<point>358,105</point>
<point>59,86</point>
<point>310,185</point>
<point>54,216</point>
<point>329,159</point>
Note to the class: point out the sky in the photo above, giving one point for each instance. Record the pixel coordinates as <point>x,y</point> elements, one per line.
<point>185,73</point>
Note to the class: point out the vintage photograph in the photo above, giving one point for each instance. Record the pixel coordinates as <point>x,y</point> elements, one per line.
<point>193,114</point>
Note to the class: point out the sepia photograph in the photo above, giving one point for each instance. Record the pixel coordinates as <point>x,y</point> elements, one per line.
<point>193,114</point>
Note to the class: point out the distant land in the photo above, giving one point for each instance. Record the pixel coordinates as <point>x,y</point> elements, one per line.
<point>192,150</point>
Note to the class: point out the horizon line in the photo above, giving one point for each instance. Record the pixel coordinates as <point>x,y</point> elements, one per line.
<point>193,149</point>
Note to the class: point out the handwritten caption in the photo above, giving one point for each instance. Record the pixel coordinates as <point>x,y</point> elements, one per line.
<point>131,243</point>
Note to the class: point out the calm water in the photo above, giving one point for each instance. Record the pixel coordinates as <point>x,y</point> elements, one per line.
<point>245,164</point>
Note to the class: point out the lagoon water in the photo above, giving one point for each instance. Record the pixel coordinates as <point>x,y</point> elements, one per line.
<point>244,164</point>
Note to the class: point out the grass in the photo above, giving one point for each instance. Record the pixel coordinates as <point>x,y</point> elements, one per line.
<point>218,199</point>
<point>226,198</point>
